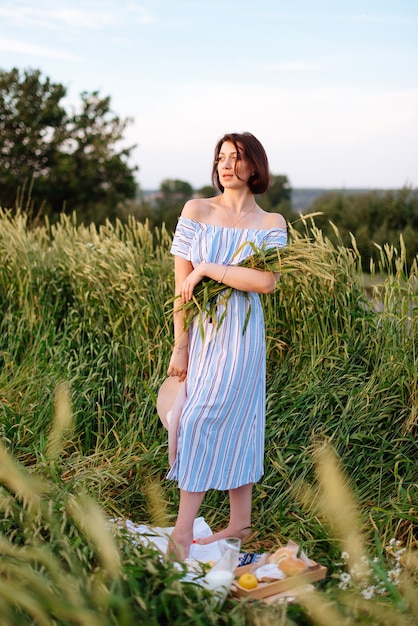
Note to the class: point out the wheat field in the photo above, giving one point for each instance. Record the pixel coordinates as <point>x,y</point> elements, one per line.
<point>85,342</point>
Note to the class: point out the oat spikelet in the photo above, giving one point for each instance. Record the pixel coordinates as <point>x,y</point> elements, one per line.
<point>27,488</point>
<point>320,610</point>
<point>63,421</point>
<point>89,517</point>
<point>337,504</point>
<point>156,504</point>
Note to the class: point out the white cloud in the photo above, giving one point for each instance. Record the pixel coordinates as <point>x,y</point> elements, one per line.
<point>92,15</point>
<point>24,47</point>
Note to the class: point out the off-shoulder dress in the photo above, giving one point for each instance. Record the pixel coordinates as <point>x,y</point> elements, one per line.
<point>221,430</point>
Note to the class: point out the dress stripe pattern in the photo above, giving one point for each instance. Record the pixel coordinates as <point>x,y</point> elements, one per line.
<point>221,430</point>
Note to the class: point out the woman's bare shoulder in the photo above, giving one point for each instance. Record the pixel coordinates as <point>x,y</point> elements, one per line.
<point>274,220</point>
<point>197,209</point>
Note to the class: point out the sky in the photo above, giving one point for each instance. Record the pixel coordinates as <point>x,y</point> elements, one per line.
<point>330,88</point>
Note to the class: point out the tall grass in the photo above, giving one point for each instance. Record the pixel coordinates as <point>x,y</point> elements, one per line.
<point>85,323</point>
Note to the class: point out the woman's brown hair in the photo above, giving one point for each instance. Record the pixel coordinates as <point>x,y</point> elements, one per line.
<point>254,154</point>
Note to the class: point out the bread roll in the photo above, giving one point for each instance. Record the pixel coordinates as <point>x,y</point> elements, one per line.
<point>281,553</point>
<point>291,566</point>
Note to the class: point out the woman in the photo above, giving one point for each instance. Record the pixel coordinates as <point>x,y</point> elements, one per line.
<point>221,431</point>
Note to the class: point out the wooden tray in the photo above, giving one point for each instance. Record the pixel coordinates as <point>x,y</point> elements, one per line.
<point>313,573</point>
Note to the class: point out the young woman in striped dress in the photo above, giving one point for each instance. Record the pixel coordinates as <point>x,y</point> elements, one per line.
<point>220,442</point>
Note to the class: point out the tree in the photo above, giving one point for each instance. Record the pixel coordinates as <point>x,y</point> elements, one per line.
<point>69,161</point>
<point>279,190</point>
<point>278,198</point>
<point>172,196</point>
<point>207,191</point>
<point>30,119</point>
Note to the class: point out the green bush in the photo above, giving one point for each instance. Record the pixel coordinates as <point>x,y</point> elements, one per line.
<point>375,218</point>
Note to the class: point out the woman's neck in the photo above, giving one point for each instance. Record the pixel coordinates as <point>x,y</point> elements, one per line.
<point>237,201</point>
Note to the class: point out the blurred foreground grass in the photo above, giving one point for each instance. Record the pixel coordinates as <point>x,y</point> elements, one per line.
<point>84,344</point>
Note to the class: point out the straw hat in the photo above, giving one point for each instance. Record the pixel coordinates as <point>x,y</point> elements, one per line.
<point>166,397</point>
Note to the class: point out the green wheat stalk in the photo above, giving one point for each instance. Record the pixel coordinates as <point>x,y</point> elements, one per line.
<point>300,256</point>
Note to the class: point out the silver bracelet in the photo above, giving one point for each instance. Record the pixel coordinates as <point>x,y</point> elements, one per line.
<point>223,275</point>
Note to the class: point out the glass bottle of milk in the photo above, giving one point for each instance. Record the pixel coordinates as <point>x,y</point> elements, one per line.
<point>220,577</point>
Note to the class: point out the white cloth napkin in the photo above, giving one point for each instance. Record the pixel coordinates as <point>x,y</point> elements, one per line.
<point>269,570</point>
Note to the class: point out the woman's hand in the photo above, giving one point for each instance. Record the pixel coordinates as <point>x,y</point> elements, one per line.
<point>178,362</point>
<point>193,279</point>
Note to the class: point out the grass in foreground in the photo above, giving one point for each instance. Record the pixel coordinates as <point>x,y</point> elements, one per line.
<point>63,561</point>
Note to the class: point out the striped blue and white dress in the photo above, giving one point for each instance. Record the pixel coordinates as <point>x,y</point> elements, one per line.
<point>222,424</point>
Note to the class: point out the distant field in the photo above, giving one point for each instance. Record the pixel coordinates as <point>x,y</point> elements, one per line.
<point>302,198</point>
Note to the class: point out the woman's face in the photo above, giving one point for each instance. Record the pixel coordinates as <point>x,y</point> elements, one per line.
<point>233,169</point>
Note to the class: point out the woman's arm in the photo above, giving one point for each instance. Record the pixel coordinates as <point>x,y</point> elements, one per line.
<point>180,354</point>
<point>242,278</point>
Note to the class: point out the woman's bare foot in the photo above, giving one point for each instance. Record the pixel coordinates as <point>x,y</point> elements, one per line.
<point>241,533</point>
<point>179,545</point>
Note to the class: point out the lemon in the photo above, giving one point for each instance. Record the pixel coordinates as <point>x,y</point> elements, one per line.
<point>248,581</point>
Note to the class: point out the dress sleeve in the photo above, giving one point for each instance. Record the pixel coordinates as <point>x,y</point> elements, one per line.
<point>183,238</point>
<point>275,238</point>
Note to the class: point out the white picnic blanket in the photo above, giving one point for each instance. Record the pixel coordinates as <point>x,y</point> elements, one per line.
<point>159,538</point>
